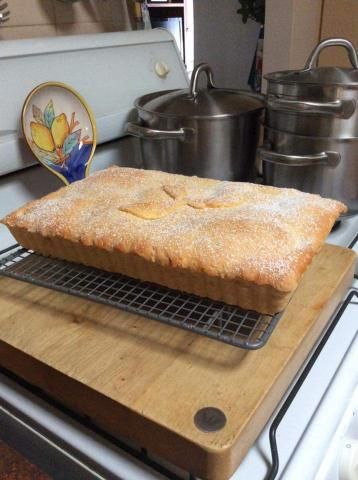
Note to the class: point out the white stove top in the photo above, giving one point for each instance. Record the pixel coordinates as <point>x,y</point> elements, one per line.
<point>302,426</point>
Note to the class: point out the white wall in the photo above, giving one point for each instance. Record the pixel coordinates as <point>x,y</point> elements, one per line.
<point>223,41</point>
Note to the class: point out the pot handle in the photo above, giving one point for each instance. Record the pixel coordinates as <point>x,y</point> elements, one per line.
<point>140,131</point>
<point>337,108</point>
<point>201,67</point>
<point>330,159</point>
<point>332,42</point>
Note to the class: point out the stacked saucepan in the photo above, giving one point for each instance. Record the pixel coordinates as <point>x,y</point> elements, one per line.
<point>311,128</point>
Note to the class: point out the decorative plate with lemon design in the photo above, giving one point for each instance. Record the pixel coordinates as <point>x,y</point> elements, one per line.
<point>60,129</point>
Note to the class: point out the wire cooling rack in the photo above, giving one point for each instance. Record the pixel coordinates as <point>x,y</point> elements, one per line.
<point>226,323</point>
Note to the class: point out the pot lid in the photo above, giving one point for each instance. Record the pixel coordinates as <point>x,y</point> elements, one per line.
<point>317,76</point>
<point>209,102</point>
<point>312,74</point>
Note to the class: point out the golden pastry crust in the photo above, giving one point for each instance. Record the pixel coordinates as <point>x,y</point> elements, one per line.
<point>239,232</point>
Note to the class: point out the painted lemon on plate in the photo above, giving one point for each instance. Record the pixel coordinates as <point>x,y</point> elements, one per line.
<point>42,137</point>
<point>60,130</point>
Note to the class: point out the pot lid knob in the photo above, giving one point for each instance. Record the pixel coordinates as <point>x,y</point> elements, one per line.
<point>332,42</point>
<point>201,67</point>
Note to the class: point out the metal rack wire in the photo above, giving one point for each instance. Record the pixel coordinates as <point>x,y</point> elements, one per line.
<point>228,324</point>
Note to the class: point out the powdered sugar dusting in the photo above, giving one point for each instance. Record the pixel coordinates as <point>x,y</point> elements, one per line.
<point>227,229</point>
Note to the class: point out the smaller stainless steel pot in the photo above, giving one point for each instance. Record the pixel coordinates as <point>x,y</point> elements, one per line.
<point>317,101</point>
<point>327,166</point>
<point>211,132</point>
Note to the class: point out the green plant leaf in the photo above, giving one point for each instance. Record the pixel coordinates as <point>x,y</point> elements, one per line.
<point>49,114</point>
<point>38,115</point>
<point>254,9</point>
<point>70,142</point>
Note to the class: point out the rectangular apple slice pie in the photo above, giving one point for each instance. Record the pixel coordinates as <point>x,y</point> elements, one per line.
<point>241,243</point>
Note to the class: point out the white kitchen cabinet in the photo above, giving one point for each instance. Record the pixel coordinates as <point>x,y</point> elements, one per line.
<point>178,18</point>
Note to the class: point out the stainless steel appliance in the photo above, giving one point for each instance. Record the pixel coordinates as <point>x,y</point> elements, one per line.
<point>311,129</point>
<point>210,132</point>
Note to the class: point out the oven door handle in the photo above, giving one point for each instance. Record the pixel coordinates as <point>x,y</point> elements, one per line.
<point>328,158</point>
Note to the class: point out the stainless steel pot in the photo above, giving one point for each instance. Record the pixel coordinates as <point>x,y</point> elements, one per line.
<point>327,166</point>
<point>317,101</point>
<point>212,132</point>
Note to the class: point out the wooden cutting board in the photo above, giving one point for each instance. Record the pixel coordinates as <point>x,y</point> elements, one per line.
<point>144,380</point>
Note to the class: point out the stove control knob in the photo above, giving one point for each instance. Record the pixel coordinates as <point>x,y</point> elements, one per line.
<point>161,69</point>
